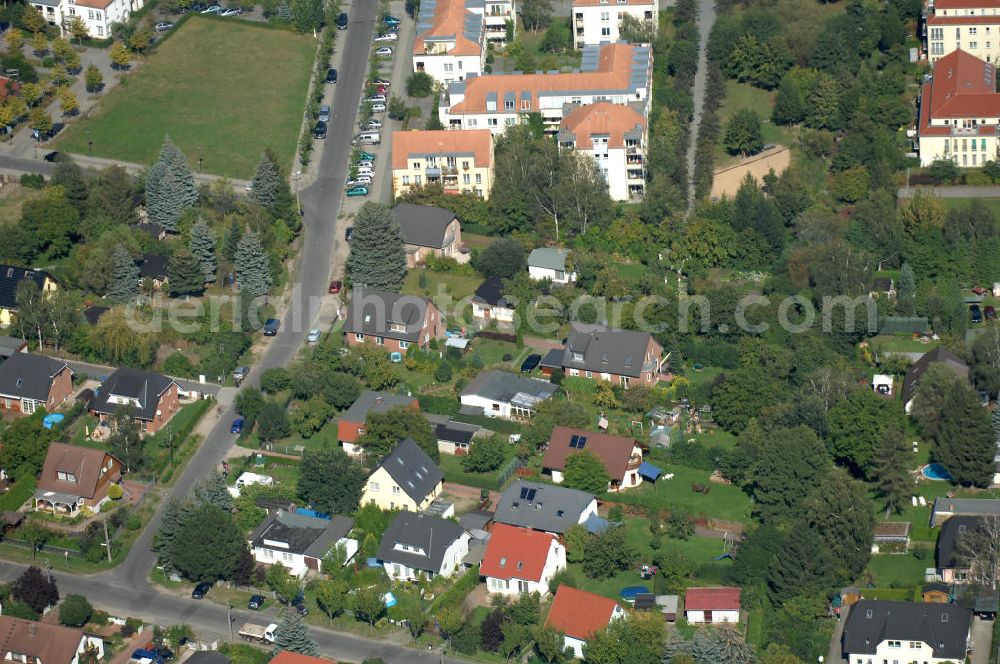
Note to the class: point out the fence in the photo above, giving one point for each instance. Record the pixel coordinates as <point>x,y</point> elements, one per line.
<point>508,471</point>
<point>44,548</point>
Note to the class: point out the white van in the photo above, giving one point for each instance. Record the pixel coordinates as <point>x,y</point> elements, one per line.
<point>369,138</point>
<point>365,171</point>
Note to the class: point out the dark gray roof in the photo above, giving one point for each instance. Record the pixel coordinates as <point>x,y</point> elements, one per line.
<point>430,535</point>
<point>412,470</point>
<point>504,386</point>
<point>607,350</point>
<point>374,402</point>
<point>423,225</point>
<point>917,369</point>
<point>11,277</point>
<point>11,345</point>
<point>952,530</point>
<point>491,292</point>
<point>475,520</point>
<point>145,387</point>
<point>549,258</point>
<point>966,506</point>
<point>306,535</point>
<point>153,266</point>
<point>545,507</point>
<point>944,627</point>
<point>29,376</point>
<point>93,313</point>
<point>456,433</point>
<point>373,313</point>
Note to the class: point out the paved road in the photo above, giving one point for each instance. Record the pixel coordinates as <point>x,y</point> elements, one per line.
<point>25,165</point>
<point>706,19</point>
<point>956,191</point>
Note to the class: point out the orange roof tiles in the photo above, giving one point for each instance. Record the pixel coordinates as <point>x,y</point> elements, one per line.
<point>449,22</point>
<point>962,20</point>
<point>289,657</point>
<point>516,553</point>
<point>603,118</point>
<point>614,69</point>
<point>966,4</point>
<point>94,4</point>
<point>477,142</point>
<point>962,86</point>
<point>579,614</point>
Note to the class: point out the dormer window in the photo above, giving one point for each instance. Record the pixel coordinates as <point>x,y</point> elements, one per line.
<point>397,327</point>
<point>63,476</point>
<point>577,357</point>
<point>503,562</point>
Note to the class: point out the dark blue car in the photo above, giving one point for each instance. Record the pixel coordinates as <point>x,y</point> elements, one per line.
<point>237,426</point>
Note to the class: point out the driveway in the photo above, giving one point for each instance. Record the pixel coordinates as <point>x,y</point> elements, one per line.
<point>982,640</point>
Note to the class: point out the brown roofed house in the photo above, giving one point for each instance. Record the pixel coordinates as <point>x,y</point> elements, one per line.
<point>42,643</point>
<point>74,478</point>
<point>620,455</point>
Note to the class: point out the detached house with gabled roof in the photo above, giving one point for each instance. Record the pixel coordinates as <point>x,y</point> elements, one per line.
<point>301,542</point>
<point>406,480</point>
<point>623,357</point>
<point>418,546</point>
<point>35,642</point>
<point>549,263</point>
<point>74,478</point>
<point>521,560</point>
<point>29,382</point>
<point>351,424</point>
<point>880,631</point>
<point>391,320</point>
<point>959,112</point>
<point>579,615</point>
<point>154,396</point>
<point>429,231</point>
<point>10,278</point>
<point>916,371</point>
<point>550,509</point>
<point>620,455</point>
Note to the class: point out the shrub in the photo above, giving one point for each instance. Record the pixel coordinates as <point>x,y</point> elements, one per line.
<point>32,180</point>
<point>115,492</point>
<point>75,611</point>
<point>134,522</point>
<point>420,84</point>
<point>274,380</point>
<point>443,373</point>
<point>466,640</point>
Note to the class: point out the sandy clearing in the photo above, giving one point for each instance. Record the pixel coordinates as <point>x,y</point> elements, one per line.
<point>727,180</point>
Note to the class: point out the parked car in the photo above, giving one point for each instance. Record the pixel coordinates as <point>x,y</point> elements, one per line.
<point>976,313</point>
<point>378,107</point>
<point>357,191</point>
<point>271,327</point>
<point>383,51</point>
<point>389,19</point>
<point>319,131</point>
<point>381,90</point>
<point>165,653</point>
<point>201,590</point>
<point>234,11</point>
<point>256,602</point>
<point>336,286</point>
<point>387,37</point>
<point>374,99</point>
<point>530,363</point>
<point>53,131</point>
<point>365,164</point>
<point>237,426</point>
<point>348,233</point>
<point>239,373</point>
<point>381,81</point>
<point>364,179</point>
<point>163,27</point>
<point>313,336</point>
<point>143,656</point>
<point>990,313</point>
<point>366,156</point>
<point>300,606</point>
<point>324,113</point>
<point>372,124</point>
<point>331,75</point>
<point>342,21</point>
<point>51,157</point>
<point>214,9</point>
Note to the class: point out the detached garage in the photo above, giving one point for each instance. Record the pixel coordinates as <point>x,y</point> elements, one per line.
<point>712,605</point>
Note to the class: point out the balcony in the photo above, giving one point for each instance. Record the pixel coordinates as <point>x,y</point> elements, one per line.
<point>633,174</point>
<point>634,462</point>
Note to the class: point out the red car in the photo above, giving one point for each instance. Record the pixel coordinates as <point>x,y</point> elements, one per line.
<point>336,286</point>
<point>381,90</point>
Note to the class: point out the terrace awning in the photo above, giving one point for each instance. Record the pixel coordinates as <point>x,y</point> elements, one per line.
<point>649,471</point>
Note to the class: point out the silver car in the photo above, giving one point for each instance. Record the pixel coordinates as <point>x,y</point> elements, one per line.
<point>324,113</point>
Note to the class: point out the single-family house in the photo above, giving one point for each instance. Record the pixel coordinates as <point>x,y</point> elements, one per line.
<point>953,565</point>
<point>550,509</point>
<point>615,137</point>
<point>946,508</point>
<point>10,278</point>
<point>391,320</point>
<point>43,643</point>
<point>74,478</point>
<point>620,455</point>
<point>460,161</point>
<point>579,615</point>
<point>300,542</point>
<point>913,375</point>
<point>418,546</point>
<point>154,397</point>
<point>623,357</point>
<point>29,382</point>
<point>489,303</point>
<point>351,424</point>
<point>454,437</point>
<point>504,394</point>
<point>521,560</point>
<point>11,345</point>
<point>549,263</point>
<point>883,287</point>
<point>880,631</point>
<point>153,267</point>
<point>712,605</point>
<point>407,479</point>
<point>598,21</point>
<point>429,231</point>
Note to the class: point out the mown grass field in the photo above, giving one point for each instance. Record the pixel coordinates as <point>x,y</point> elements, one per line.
<point>223,89</point>
<point>741,96</point>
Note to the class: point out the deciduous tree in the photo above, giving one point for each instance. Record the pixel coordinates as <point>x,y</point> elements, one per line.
<point>586,472</point>
<point>36,589</point>
<point>93,78</point>
<point>121,57</point>
<point>383,431</point>
<point>315,487</point>
<point>743,133</point>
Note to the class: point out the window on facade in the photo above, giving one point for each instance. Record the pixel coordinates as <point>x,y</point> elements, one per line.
<point>973,44</point>
<point>90,13</point>
<point>972,31</point>
<point>479,176</point>
<point>466,179</point>
<point>379,340</point>
<point>509,122</point>
<point>395,490</point>
<point>508,104</point>
<point>417,180</point>
<point>403,345</point>
<point>605,32</point>
<point>449,67</point>
<point>605,16</point>
<point>406,179</point>
<point>492,122</point>
<point>373,486</point>
<point>359,337</point>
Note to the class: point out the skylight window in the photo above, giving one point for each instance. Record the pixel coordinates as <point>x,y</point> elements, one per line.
<point>578,442</point>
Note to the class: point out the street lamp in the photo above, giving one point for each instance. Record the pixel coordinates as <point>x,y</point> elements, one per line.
<point>199,164</point>
<point>90,148</point>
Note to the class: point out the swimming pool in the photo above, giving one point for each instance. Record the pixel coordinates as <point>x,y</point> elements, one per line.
<point>935,471</point>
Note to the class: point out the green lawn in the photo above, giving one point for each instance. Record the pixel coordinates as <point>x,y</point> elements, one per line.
<point>223,89</point>
<point>901,343</point>
<point>899,571</point>
<point>458,286</point>
<point>721,502</point>
<point>740,96</point>
<point>451,465</point>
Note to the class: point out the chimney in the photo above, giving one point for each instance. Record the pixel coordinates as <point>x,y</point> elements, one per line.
<point>32,629</point>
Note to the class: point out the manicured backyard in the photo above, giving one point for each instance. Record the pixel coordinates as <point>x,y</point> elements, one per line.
<point>223,89</point>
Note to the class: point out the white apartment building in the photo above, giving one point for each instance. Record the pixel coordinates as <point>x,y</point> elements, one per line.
<point>614,73</point>
<point>597,21</point>
<point>98,15</point>
<point>496,16</point>
<point>615,136</point>
<point>970,25</point>
<point>450,43</point>
<point>959,112</point>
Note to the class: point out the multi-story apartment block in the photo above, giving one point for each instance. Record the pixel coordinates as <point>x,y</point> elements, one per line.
<point>959,112</point>
<point>970,25</point>
<point>498,14</point>
<point>613,73</point>
<point>597,21</point>
<point>97,15</point>
<point>462,161</point>
<point>450,43</point>
<point>616,138</point>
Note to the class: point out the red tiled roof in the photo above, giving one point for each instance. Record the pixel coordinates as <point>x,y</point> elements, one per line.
<point>516,553</point>
<point>579,614</point>
<point>962,20</point>
<point>966,4</point>
<point>479,142</point>
<point>614,69</point>
<point>602,118</point>
<point>712,599</point>
<point>612,3</point>
<point>613,451</point>
<point>289,657</point>
<point>449,22</point>
<point>962,86</point>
